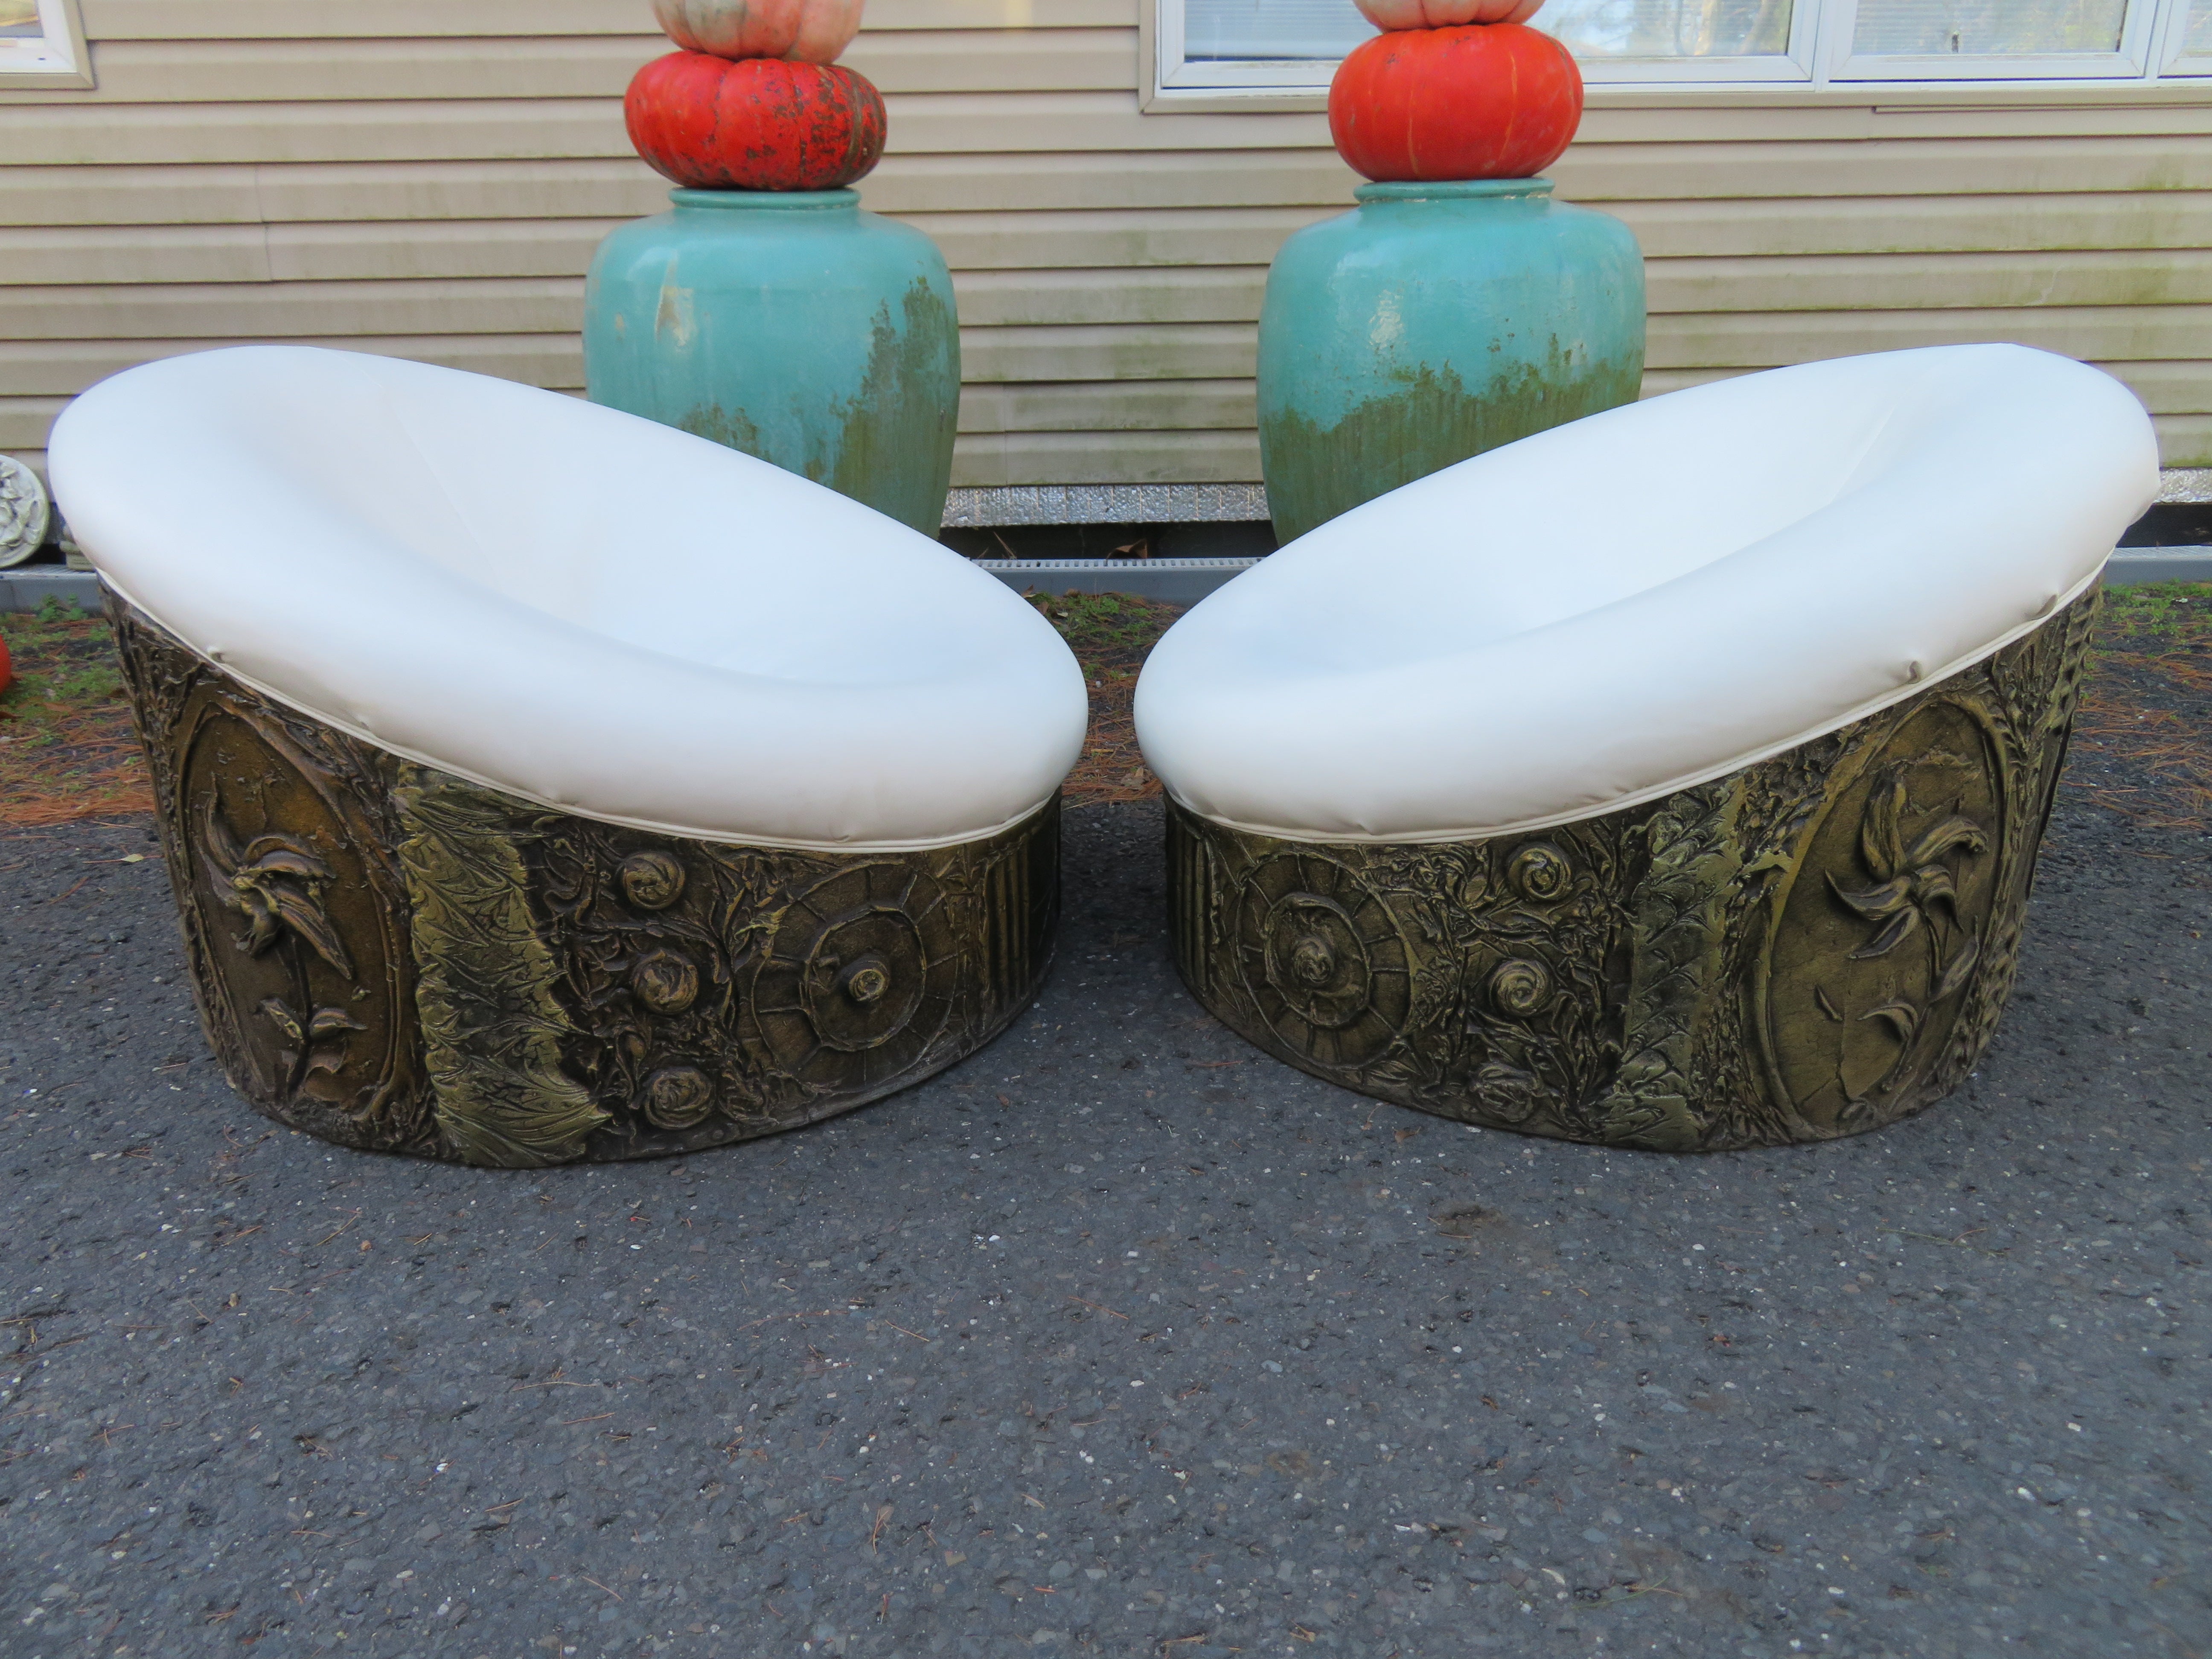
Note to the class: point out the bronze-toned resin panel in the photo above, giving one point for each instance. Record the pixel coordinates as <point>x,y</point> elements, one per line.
<point>1816,945</point>
<point>395,958</point>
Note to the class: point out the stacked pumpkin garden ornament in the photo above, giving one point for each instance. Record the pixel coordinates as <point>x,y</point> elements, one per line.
<point>767,312</point>
<point>755,98</point>
<point>1458,307</point>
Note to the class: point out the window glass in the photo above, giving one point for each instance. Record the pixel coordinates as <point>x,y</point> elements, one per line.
<point>2198,42</point>
<point>1268,43</point>
<point>19,19</point>
<point>1669,28</point>
<point>1267,28</point>
<point>1987,27</point>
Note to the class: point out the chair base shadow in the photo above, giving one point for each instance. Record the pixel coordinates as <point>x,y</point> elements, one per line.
<point>396,959</point>
<point>1815,945</point>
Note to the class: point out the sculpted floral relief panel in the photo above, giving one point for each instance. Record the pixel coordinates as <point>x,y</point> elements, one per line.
<point>290,900</point>
<point>1882,925</point>
<point>396,958</point>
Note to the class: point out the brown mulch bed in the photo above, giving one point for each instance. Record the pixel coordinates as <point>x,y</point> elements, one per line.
<point>66,748</point>
<point>2142,742</point>
<point>1111,634</point>
<point>2142,746</point>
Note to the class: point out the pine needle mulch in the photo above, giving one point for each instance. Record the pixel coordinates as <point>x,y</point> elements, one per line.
<point>2142,742</point>
<point>66,748</point>
<point>2142,747</point>
<point>1111,634</point>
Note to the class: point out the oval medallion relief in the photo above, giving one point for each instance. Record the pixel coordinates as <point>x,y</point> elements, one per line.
<point>1886,921</point>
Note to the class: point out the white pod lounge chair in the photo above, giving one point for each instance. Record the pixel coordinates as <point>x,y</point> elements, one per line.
<point>539,783</point>
<point>1669,779</point>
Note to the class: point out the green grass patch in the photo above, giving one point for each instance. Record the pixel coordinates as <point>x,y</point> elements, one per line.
<point>62,656</point>
<point>1106,625</point>
<point>2158,615</point>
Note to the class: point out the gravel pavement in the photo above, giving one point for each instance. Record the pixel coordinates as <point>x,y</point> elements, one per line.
<point>1119,1338</point>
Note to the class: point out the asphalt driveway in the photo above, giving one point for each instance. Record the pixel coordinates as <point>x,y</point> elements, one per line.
<point>1119,1339</point>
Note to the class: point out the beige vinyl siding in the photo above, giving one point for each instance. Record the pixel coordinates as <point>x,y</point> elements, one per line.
<point>429,178</point>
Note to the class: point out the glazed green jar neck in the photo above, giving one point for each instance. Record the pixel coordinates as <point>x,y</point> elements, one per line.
<point>809,202</point>
<point>1453,189</point>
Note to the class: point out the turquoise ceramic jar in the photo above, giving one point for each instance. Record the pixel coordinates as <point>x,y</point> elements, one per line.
<point>1430,323</point>
<point>791,325</point>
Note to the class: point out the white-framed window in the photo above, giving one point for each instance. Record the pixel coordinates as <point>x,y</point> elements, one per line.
<point>1208,48</point>
<point>2184,39</point>
<point>42,45</point>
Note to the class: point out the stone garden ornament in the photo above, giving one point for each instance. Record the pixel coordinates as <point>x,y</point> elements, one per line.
<point>25,513</point>
<point>767,312</point>
<point>1458,306</point>
<point>517,825</point>
<point>1673,779</point>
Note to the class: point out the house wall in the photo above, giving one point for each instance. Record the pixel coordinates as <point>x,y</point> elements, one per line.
<point>427,178</point>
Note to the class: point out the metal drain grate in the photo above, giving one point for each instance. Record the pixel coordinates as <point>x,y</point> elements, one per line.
<point>1181,580</point>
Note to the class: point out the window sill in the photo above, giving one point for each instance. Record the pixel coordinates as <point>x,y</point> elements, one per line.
<point>1921,95</point>
<point>46,80</point>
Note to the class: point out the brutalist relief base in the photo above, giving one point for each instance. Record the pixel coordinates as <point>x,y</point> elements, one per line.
<point>396,959</point>
<point>1816,945</point>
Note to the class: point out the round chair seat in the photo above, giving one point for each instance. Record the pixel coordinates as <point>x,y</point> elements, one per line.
<point>542,784</point>
<point>1630,605</point>
<point>1670,779</point>
<point>566,603</point>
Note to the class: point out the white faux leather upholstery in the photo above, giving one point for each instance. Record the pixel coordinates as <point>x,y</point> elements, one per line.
<point>569,603</point>
<point>1638,602</point>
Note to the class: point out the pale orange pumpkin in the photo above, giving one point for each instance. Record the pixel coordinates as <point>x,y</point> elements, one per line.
<point>798,31</point>
<point>1445,13</point>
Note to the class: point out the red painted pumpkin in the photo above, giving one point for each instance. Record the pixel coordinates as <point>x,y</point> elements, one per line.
<point>1488,100</point>
<point>758,123</point>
